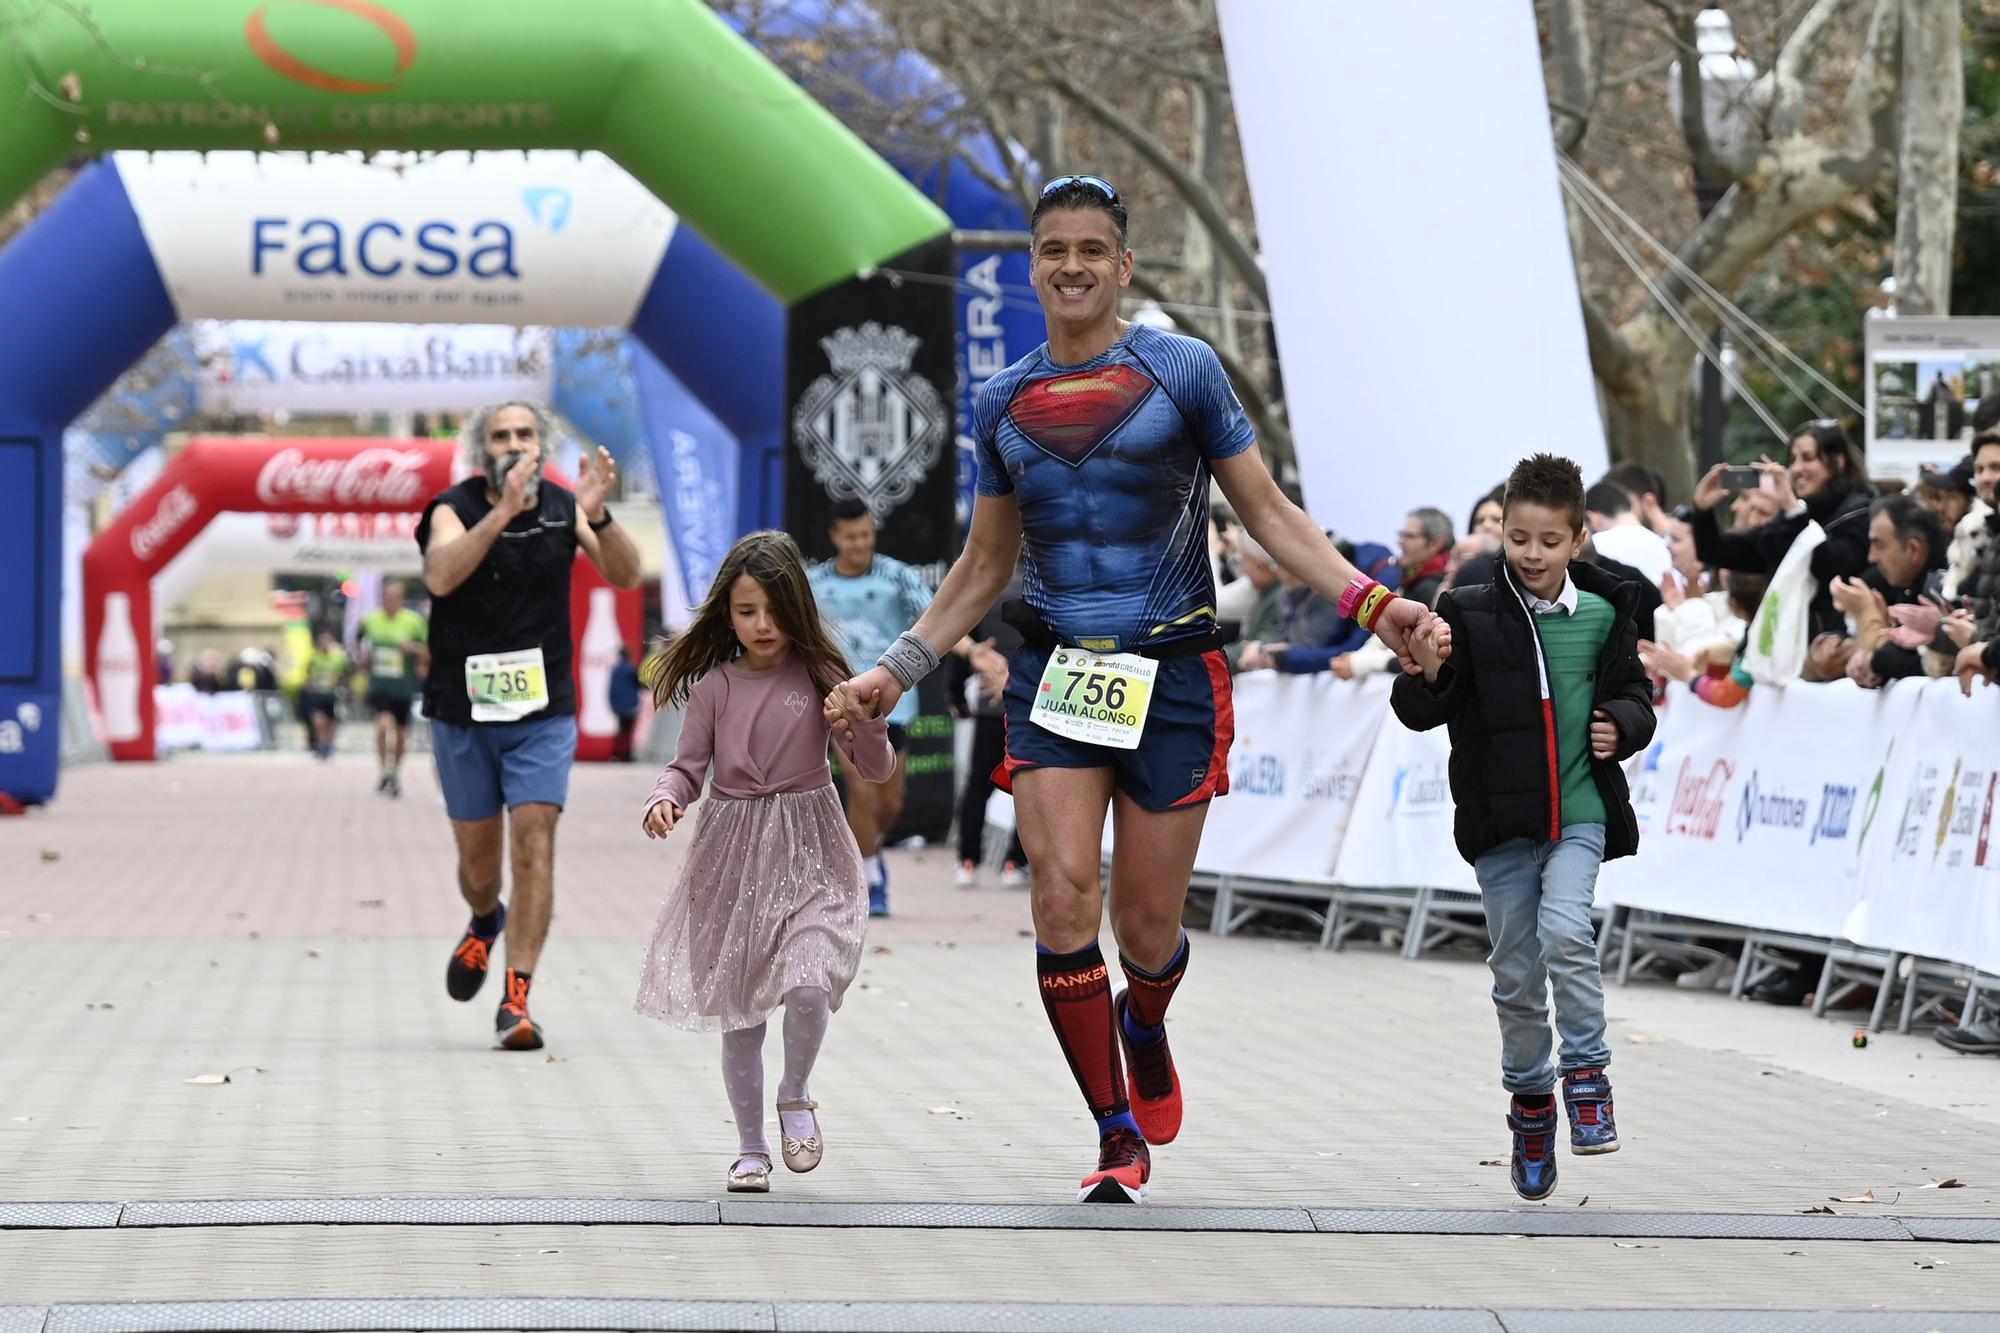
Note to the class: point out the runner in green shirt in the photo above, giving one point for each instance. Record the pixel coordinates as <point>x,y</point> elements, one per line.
<point>394,646</point>
<point>326,667</point>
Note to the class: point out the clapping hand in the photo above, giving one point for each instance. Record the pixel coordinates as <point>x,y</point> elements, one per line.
<point>600,473</point>
<point>1971,661</point>
<point>1853,596</point>
<point>1661,660</point>
<point>1916,624</point>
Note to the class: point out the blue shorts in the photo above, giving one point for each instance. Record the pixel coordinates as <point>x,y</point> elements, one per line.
<point>1183,754</point>
<point>484,766</point>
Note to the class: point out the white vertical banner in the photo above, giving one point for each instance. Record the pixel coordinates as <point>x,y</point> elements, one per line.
<point>1762,815</point>
<point>1377,253</point>
<point>1302,744</point>
<point>1399,835</point>
<point>1933,864</point>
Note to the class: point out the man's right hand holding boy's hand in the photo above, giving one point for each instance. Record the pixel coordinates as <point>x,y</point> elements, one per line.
<point>661,818</point>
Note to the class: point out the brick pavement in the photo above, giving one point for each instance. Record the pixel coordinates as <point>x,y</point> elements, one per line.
<point>269,916</point>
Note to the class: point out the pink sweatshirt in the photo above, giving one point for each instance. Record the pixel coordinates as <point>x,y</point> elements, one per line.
<point>764,733</point>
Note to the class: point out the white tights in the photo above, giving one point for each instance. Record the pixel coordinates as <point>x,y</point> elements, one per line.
<point>806,1014</point>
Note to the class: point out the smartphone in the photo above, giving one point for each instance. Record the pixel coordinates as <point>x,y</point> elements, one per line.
<point>1741,478</point>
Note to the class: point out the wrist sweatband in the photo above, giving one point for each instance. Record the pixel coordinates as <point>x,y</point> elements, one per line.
<point>1363,601</point>
<point>909,659</point>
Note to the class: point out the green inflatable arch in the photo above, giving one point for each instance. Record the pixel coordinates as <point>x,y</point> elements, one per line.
<point>765,173</point>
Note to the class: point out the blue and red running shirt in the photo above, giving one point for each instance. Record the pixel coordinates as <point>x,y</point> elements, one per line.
<point>1110,461</point>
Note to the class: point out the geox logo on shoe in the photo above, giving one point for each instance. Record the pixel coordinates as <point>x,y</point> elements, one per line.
<point>1075,980</point>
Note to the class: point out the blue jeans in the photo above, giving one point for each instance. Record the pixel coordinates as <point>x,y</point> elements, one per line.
<point>1537,899</point>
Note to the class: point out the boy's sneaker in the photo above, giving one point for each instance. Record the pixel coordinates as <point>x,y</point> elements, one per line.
<point>1587,1098</point>
<point>1013,876</point>
<point>466,972</point>
<point>1150,1079</point>
<point>1533,1167</point>
<point>511,1026</point>
<point>1123,1167</point>
<point>967,875</point>
<point>878,885</point>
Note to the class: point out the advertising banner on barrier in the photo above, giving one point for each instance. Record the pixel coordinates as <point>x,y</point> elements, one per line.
<point>253,366</point>
<point>1301,746</point>
<point>1761,815</point>
<point>559,238</point>
<point>1399,835</point>
<point>190,720</point>
<point>1933,865</point>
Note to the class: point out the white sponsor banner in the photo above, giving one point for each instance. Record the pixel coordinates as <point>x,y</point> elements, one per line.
<point>1295,768</point>
<point>293,543</point>
<point>186,719</point>
<point>1355,289</point>
<point>1761,815</point>
<point>253,366</point>
<point>1933,864</point>
<point>545,237</point>
<point>1399,835</point>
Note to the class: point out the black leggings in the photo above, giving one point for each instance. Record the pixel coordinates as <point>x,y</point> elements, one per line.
<point>989,747</point>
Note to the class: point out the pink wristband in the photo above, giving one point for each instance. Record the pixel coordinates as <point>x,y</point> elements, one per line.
<point>1363,600</point>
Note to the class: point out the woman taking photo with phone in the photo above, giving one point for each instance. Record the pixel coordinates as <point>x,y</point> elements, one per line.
<point>1825,482</point>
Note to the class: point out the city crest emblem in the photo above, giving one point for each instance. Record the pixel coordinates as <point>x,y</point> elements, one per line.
<point>872,428</point>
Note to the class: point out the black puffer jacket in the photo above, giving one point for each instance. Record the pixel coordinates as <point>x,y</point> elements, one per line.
<point>1841,510</point>
<point>1504,777</point>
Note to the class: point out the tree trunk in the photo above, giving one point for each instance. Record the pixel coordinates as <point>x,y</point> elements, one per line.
<point>1646,415</point>
<point>1927,169</point>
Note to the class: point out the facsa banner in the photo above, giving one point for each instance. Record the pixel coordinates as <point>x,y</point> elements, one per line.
<point>254,366</point>
<point>571,238</point>
<point>1764,815</point>
<point>1933,866</point>
<point>1302,743</point>
<point>1400,833</point>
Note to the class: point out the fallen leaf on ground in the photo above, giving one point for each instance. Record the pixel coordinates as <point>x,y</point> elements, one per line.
<point>1494,1161</point>
<point>49,854</point>
<point>1820,1209</point>
<point>1584,1200</point>
<point>951,1110</point>
<point>1631,1245</point>
<point>1954,1183</point>
<point>552,1059</point>
<point>548,1251</point>
<point>1866,1196</point>
<point>370,902</point>
<point>207,1079</point>
<point>880,948</point>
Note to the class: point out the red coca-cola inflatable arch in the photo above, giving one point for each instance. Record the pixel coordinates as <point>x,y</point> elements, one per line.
<point>219,475</point>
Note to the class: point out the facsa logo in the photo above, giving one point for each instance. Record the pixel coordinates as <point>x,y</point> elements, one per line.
<point>322,247</point>
<point>256,31</point>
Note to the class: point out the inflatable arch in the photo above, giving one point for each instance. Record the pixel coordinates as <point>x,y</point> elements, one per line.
<point>774,182</point>
<point>292,475</point>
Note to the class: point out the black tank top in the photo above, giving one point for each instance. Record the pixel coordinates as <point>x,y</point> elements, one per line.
<point>517,598</point>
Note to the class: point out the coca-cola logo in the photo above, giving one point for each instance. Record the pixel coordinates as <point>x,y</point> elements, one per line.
<point>177,506</point>
<point>373,478</point>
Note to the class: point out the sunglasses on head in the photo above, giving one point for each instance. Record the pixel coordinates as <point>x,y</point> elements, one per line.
<point>1098,183</point>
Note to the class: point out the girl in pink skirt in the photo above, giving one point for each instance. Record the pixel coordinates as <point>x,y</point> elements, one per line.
<point>769,908</point>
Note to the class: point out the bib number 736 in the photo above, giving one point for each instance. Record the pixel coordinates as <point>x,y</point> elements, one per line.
<point>506,687</point>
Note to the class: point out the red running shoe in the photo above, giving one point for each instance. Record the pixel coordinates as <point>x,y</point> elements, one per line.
<point>512,1026</point>
<point>1123,1167</point>
<point>1154,1086</point>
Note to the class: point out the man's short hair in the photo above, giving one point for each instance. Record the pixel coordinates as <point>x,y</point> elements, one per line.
<point>1913,520</point>
<point>472,432</point>
<point>1548,480</point>
<point>1640,481</point>
<point>846,511</point>
<point>1075,194</point>
<point>1608,499</point>
<point>1986,438</point>
<point>1436,525</point>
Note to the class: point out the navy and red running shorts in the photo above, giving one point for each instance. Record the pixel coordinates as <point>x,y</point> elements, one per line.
<point>1183,754</point>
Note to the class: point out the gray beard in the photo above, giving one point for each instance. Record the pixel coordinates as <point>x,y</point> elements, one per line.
<point>498,468</point>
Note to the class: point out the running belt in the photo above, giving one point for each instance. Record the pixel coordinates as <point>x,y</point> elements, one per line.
<point>1038,633</point>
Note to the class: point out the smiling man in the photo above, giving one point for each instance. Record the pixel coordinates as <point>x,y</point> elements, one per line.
<point>1095,454</point>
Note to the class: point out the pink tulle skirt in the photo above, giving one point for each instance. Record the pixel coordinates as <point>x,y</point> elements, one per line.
<point>769,898</point>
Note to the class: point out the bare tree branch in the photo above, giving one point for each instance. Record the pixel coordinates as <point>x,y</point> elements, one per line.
<point>1197,194</point>
<point>1783,87</point>
<point>1272,428</point>
<point>1575,73</point>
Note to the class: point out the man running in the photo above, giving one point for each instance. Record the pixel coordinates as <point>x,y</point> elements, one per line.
<point>501,694</point>
<point>869,599</point>
<point>394,648</point>
<point>1096,450</point>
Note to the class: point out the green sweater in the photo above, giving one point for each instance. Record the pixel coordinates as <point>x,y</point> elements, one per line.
<point>1573,644</point>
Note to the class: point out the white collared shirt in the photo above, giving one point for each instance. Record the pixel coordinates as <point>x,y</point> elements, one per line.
<point>1565,601</point>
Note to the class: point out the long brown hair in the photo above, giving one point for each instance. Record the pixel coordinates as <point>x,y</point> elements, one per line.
<point>775,561</point>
